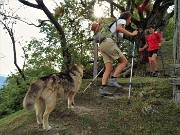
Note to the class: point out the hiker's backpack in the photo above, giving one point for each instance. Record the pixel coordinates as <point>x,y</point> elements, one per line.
<point>104,29</point>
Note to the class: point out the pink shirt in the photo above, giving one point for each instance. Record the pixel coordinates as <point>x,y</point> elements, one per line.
<point>153,40</point>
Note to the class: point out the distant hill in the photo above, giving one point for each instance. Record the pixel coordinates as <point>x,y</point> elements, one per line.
<point>2,79</point>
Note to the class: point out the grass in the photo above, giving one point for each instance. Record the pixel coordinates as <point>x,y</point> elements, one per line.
<point>150,112</point>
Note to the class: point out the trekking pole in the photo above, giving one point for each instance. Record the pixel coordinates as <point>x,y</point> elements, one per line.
<point>93,79</point>
<point>132,63</point>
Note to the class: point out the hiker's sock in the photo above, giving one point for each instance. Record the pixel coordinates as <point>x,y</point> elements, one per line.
<point>113,77</point>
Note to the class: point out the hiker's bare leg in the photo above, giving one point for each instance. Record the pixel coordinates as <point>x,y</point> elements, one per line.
<point>107,72</point>
<point>154,62</point>
<point>122,64</point>
<point>150,64</point>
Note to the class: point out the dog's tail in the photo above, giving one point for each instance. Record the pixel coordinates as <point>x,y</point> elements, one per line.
<point>33,92</point>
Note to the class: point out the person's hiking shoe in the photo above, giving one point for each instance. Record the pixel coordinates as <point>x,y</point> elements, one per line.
<point>153,74</point>
<point>156,74</point>
<point>103,92</point>
<point>113,82</point>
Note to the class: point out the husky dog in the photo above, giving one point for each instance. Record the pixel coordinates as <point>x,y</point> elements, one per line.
<point>42,93</point>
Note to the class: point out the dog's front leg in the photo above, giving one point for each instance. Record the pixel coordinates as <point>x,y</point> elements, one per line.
<point>45,121</point>
<point>70,100</point>
<point>49,108</point>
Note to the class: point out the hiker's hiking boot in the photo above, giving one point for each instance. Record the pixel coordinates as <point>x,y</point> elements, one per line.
<point>155,74</point>
<point>113,82</point>
<point>103,92</point>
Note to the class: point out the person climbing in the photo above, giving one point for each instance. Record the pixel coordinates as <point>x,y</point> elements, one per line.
<point>110,51</point>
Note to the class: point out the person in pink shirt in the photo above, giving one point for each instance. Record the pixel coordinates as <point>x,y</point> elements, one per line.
<point>154,41</point>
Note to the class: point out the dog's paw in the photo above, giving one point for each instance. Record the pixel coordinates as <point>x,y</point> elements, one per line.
<point>49,127</point>
<point>70,107</point>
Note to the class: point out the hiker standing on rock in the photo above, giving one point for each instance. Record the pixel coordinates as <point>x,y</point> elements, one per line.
<point>153,41</point>
<point>110,51</point>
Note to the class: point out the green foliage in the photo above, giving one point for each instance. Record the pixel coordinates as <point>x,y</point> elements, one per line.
<point>76,35</point>
<point>169,32</point>
<point>42,55</point>
<point>13,93</point>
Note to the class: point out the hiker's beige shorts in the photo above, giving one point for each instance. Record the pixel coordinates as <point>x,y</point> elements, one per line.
<point>110,51</point>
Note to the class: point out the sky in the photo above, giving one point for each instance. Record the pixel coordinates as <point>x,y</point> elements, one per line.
<point>22,33</point>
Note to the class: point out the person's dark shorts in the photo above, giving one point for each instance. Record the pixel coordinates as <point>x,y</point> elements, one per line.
<point>150,53</point>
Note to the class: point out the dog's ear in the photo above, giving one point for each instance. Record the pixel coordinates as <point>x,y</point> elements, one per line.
<point>79,64</point>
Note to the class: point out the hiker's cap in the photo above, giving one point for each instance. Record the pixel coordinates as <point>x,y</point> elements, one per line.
<point>94,26</point>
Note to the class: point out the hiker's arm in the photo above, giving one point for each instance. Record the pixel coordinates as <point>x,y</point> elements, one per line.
<point>144,47</point>
<point>122,30</point>
<point>161,42</point>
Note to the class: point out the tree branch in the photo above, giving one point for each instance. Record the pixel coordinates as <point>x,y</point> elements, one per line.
<point>27,3</point>
<point>18,18</point>
<point>116,5</point>
<point>11,34</point>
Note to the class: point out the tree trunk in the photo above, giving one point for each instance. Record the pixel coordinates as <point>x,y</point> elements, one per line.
<point>175,77</point>
<point>177,33</point>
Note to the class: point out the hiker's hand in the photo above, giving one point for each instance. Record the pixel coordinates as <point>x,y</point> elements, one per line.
<point>134,33</point>
<point>140,49</point>
<point>160,44</point>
